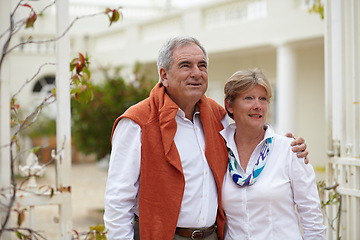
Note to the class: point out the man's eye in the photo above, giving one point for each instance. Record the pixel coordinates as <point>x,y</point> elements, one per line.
<point>203,66</point>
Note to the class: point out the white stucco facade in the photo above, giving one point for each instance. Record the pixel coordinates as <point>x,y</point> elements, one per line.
<point>237,35</point>
<point>280,37</point>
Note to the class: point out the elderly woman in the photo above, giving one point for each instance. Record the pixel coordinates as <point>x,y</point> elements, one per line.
<point>265,180</point>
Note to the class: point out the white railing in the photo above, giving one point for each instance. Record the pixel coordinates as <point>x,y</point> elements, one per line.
<point>131,13</point>
<point>159,29</point>
<point>342,61</point>
<point>46,48</point>
<point>307,4</point>
<point>234,12</point>
<point>345,174</point>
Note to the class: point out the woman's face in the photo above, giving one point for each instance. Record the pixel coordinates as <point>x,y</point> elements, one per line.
<point>250,108</point>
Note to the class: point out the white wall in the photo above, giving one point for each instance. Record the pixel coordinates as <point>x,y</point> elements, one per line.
<point>310,115</point>
<point>311,101</point>
<point>233,41</point>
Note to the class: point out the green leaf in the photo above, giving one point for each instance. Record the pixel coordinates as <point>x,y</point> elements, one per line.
<point>20,218</point>
<point>87,72</point>
<point>19,235</point>
<point>113,15</point>
<point>76,79</point>
<point>97,228</point>
<point>36,149</point>
<point>75,90</point>
<point>31,20</point>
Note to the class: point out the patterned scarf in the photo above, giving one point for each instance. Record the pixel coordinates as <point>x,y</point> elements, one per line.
<point>259,166</point>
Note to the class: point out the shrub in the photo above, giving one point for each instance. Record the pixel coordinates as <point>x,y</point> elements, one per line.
<point>92,122</point>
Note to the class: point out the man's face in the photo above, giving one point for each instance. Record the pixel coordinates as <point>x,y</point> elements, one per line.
<point>187,80</point>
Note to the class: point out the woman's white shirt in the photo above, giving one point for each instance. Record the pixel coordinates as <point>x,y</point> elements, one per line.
<point>266,209</point>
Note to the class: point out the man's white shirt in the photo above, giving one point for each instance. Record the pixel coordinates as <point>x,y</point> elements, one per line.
<point>200,201</point>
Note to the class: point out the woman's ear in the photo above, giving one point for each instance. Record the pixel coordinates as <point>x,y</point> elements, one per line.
<point>163,77</point>
<point>228,105</point>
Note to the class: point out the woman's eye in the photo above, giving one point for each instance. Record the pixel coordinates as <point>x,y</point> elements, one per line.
<point>248,98</point>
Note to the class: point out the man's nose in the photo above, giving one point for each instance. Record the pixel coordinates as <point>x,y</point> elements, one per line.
<point>195,72</point>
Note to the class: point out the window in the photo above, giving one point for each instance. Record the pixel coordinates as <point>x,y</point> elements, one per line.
<point>44,85</point>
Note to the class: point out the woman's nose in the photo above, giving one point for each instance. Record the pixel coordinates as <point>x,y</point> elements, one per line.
<point>257,104</point>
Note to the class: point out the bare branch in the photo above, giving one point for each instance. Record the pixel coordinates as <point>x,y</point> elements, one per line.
<point>11,18</point>
<point>58,37</point>
<point>34,234</point>
<point>13,195</point>
<point>13,190</point>
<point>331,187</point>
<point>7,42</point>
<point>22,22</point>
<point>34,115</point>
<point>32,78</point>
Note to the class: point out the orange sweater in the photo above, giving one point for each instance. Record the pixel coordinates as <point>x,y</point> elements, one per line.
<point>161,176</point>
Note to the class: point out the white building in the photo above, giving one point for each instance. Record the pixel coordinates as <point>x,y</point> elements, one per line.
<point>280,37</point>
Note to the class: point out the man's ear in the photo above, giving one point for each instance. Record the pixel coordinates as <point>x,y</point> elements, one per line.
<point>163,77</point>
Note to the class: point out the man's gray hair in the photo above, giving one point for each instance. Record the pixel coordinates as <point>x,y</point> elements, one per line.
<point>164,59</point>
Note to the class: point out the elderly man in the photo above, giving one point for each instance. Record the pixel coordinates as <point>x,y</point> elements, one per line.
<point>168,159</point>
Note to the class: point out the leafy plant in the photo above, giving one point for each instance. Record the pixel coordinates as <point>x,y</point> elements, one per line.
<point>318,7</point>
<point>44,126</point>
<point>10,193</point>
<point>83,89</point>
<point>97,232</point>
<point>333,198</point>
<point>93,121</point>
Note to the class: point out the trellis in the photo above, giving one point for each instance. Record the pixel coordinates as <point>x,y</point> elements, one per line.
<point>62,194</point>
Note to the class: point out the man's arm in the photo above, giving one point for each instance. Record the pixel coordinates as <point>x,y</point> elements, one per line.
<point>123,180</point>
<point>299,147</point>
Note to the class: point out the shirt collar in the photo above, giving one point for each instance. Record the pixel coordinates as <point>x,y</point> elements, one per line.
<point>181,113</point>
<point>228,133</point>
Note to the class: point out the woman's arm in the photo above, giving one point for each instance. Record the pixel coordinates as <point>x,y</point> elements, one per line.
<point>306,197</point>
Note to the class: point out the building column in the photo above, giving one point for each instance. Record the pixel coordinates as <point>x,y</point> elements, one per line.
<point>285,98</point>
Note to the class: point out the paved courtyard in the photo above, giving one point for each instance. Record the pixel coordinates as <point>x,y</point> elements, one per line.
<point>88,187</point>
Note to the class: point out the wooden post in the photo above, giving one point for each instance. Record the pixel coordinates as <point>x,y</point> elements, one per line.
<point>63,117</point>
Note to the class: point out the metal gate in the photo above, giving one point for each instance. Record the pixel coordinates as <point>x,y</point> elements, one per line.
<point>342,66</point>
